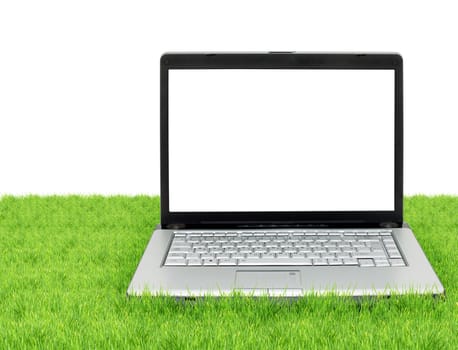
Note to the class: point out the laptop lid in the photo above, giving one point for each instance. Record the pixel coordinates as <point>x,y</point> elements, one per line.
<point>281,140</point>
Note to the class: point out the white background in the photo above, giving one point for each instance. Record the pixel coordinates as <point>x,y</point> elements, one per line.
<point>79,80</point>
<point>281,140</point>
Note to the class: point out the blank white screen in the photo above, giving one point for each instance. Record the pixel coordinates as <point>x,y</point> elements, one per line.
<point>281,140</point>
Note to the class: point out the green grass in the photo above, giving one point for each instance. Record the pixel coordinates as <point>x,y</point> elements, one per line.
<point>66,262</point>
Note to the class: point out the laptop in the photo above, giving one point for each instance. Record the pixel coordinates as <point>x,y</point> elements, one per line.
<point>282,175</point>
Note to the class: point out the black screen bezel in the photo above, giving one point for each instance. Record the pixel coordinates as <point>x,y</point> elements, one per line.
<point>281,61</point>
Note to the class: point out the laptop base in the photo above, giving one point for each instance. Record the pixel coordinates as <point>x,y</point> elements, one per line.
<point>153,278</point>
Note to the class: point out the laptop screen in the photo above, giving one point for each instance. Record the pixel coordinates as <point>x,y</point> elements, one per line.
<point>252,140</point>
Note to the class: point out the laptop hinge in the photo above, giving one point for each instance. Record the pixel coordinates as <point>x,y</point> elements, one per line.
<point>389,224</point>
<point>175,226</point>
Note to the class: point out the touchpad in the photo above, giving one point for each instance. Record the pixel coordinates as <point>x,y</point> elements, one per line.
<point>268,279</point>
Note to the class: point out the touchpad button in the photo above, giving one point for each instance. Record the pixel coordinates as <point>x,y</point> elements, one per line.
<point>268,279</point>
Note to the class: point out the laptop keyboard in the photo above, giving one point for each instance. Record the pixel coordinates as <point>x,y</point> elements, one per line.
<point>364,248</point>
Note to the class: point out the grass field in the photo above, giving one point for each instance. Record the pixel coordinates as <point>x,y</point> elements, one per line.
<point>66,262</point>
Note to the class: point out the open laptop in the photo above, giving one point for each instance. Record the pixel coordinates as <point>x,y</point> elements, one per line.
<point>281,174</point>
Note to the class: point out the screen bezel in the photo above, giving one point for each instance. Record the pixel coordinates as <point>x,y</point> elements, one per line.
<point>282,60</point>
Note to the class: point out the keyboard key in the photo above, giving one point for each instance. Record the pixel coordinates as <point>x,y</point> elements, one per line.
<point>272,245</point>
<point>334,250</point>
<point>335,233</point>
<point>183,244</point>
<point>227,262</point>
<point>268,256</point>
<point>253,256</point>
<point>209,262</point>
<point>349,239</point>
<point>260,262</point>
<point>313,256</point>
<point>394,254</point>
<point>329,245</point>
<point>301,245</point>
<point>350,261</point>
<point>374,245</point>
<point>366,262</point>
<point>207,256</point>
<point>319,250</point>
<point>359,255</point>
<point>364,250</point>
<point>335,261</point>
<point>194,262</point>
<point>328,256</point>
<point>179,249</point>
<point>397,262</point>
<point>260,250</point>
<point>177,255</point>
<point>358,245</point>
<point>246,251</point>
<point>175,262</point>
<point>238,256</point>
<point>227,245</point>
<point>290,250</point>
<point>275,250</point>
<point>320,261</point>
<point>382,263</point>
<point>393,249</point>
